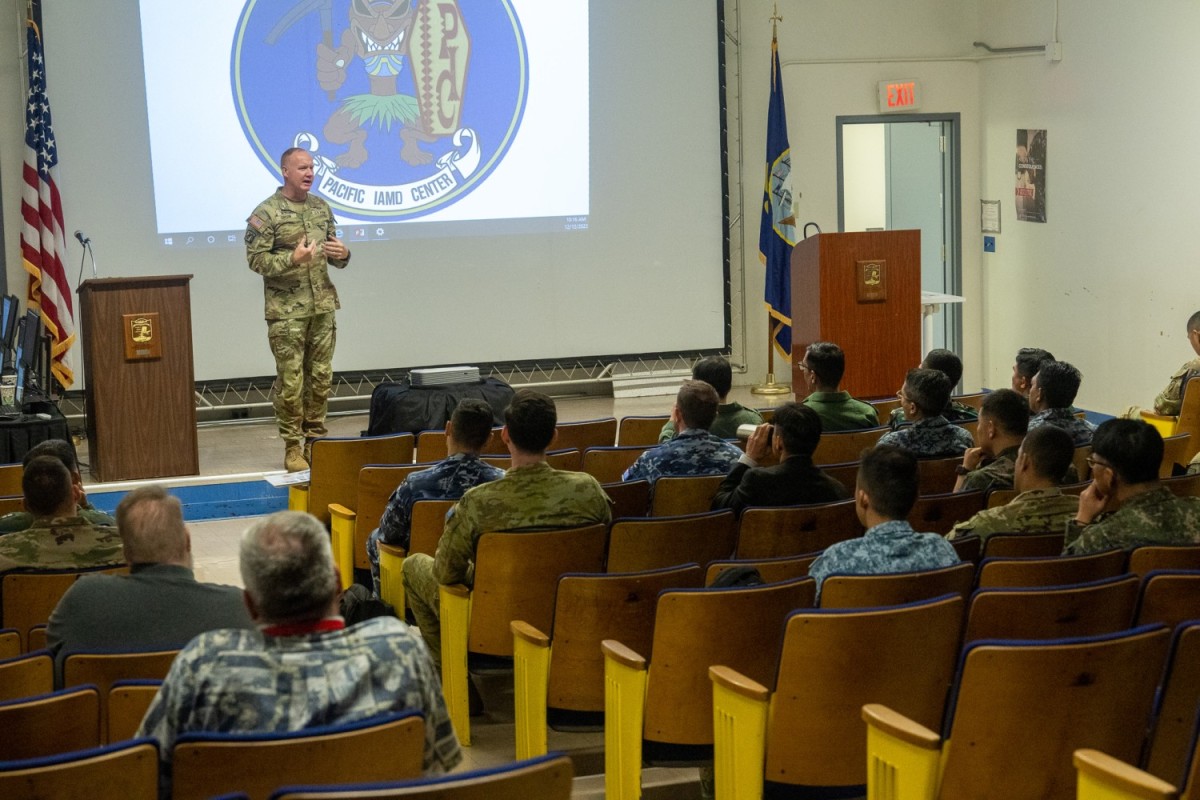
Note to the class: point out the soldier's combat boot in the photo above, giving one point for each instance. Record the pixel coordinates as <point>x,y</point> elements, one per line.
<point>293,459</point>
<point>308,450</point>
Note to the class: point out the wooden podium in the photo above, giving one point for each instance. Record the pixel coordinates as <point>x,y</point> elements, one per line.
<point>861,291</point>
<point>137,355</point>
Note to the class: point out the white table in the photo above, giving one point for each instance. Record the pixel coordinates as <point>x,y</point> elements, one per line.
<point>930,303</point>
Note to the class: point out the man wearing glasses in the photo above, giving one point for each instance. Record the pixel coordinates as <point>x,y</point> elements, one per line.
<point>923,397</point>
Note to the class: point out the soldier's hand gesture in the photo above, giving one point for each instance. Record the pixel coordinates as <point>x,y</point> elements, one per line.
<point>304,251</point>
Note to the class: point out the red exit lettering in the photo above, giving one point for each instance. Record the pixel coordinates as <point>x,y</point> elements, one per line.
<point>900,94</point>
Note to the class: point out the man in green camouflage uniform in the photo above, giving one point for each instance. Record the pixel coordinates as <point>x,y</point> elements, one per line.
<point>290,241</point>
<point>1170,399</point>
<point>64,451</point>
<point>58,538</point>
<point>532,495</point>
<point>1040,505</point>
<point>1126,506</point>
<point>991,463</point>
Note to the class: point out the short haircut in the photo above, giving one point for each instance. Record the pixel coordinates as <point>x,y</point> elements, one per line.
<point>1194,322</point>
<point>283,158</point>
<point>1051,450</point>
<point>889,477</point>
<point>716,372</point>
<point>287,567</point>
<point>1008,409</point>
<point>928,390</point>
<point>697,402</point>
<point>472,421</point>
<point>1134,448</point>
<point>1030,360</point>
<point>46,485</point>
<point>1059,382</point>
<point>827,361</point>
<point>945,361</point>
<point>531,419</point>
<point>799,428</point>
<point>150,522</point>
<point>61,449</point>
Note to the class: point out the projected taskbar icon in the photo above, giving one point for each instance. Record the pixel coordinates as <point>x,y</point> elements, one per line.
<point>223,239</point>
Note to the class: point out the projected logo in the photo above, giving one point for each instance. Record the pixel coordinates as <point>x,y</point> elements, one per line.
<point>406,105</point>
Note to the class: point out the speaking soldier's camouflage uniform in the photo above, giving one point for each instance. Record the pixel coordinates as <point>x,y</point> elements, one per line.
<point>1154,517</point>
<point>996,474</point>
<point>694,451</point>
<point>240,680</point>
<point>61,543</point>
<point>536,497</point>
<point>891,546</point>
<point>1170,399</point>
<point>932,437</point>
<point>1080,429</point>
<point>1034,511</point>
<point>300,301</point>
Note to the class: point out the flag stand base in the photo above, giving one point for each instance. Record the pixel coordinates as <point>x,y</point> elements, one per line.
<point>771,387</point>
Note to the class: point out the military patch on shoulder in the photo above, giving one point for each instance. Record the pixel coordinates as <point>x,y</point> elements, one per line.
<point>255,222</point>
<point>251,235</point>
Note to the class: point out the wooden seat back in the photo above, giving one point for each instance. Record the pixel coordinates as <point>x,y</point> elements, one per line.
<point>10,481</point>
<point>1083,470</point>
<point>336,462</point>
<point>432,445</point>
<point>10,503</point>
<point>1169,597</point>
<point>10,643</point>
<point>833,663</point>
<point>565,459</point>
<point>1175,449</point>
<point>1148,558</point>
<point>772,570</point>
<point>973,399</point>
<point>1053,612</point>
<point>49,724</point>
<point>1051,571</point>
<point>206,765</point>
<point>640,431</point>
<point>792,530</point>
<point>426,526</point>
<point>28,598</point>
<point>1000,497</point>
<point>1025,708</point>
<point>969,547</point>
<point>128,702</point>
<point>675,496</point>
<point>1169,749</point>
<point>1184,485</point>
<point>843,446</point>
<point>608,464</point>
<point>516,575</point>
<point>589,433</point>
<point>897,588</point>
<point>1189,418</point>
<point>127,771</point>
<point>376,483</point>
<point>885,407</point>
<point>937,475</point>
<point>938,513</point>
<point>1017,545</point>
<point>102,670</point>
<point>629,498</point>
<point>635,545</point>
<point>846,474</point>
<point>26,675</point>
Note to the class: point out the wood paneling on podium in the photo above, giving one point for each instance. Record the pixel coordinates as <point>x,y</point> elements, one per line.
<point>137,354</point>
<point>881,337</point>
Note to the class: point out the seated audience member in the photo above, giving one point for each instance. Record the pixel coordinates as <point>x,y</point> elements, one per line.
<point>1040,507</point>
<point>303,667</point>
<point>57,538</point>
<point>923,398</point>
<point>1170,399</point>
<point>159,605</point>
<point>694,450</point>
<point>532,495</point>
<point>1002,425</point>
<point>885,494</point>
<point>1029,361</point>
<point>1050,398</point>
<point>823,365</point>
<point>716,372</point>
<point>467,432</point>
<point>64,451</point>
<point>1126,506</point>
<point>946,362</point>
<point>793,437</point>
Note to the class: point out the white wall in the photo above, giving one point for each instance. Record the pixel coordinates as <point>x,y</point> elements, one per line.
<point>865,177</point>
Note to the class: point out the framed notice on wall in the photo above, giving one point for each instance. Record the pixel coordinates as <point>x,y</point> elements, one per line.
<point>1031,175</point>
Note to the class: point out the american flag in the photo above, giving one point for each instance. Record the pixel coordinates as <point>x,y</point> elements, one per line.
<point>43,244</point>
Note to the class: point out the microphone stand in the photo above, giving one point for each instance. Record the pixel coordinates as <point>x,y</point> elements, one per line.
<point>87,251</point>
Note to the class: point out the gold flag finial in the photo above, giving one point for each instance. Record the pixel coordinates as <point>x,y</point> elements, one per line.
<point>775,20</point>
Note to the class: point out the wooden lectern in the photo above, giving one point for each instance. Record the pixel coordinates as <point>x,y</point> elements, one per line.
<point>861,291</point>
<point>137,355</point>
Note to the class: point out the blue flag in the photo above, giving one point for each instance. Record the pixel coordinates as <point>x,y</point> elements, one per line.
<point>777,232</point>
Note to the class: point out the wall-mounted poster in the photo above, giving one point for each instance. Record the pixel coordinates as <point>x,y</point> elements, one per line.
<point>1031,175</point>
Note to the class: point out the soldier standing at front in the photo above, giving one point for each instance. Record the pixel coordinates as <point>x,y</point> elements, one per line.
<point>290,241</point>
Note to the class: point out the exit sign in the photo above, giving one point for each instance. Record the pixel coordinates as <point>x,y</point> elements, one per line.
<point>902,95</point>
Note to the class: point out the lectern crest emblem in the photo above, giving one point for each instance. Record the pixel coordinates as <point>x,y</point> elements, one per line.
<point>872,281</point>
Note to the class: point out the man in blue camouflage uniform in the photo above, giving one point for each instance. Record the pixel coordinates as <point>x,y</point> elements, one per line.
<point>1126,506</point>
<point>885,494</point>
<point>532,495</point>
<point>716,372</point>
<point>466,434</point>
<point>949,363</point>
<point>1050,397</point>
<point>1027,363</point>
<point>992,462</point>
<point>303,668</point>
<point>922,398</point>
<point>290,241</point>
<point>694,450</point>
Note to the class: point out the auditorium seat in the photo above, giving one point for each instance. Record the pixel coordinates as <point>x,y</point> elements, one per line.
<point>1169,597</point>
<point>102,670</point>
<point>1052,612</point>
<point>350,526</point>
<point>1051,570</point>
<point>336,461</point>
<point>49,724</point>
<point>588,433</point>
<point>641,431</point>
<point>608,464</point>
<point>938,513</point>
<point>1018,545</point>
<point>1171,743</point>
<point>125,771</point>
<point>645,543</point>
<point>629,498</point>
<point>1175,449</point>
<point>843,446</point>
<point>771,532</point>
<point>128,702</point>
<point>895,588</point>
<point>937,475</point>
<point>28,597</point>
<point>26,675</point>
<point>1173,557</point>
<point>1188,420</point>
<point>772,570</point>
<point>692,494</point>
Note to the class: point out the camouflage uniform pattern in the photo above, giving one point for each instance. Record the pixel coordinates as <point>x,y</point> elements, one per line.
<point>1170,399</point>
<point>61,543</point>
<point>526,498</point>
<point>300,301</point>
<point>21,520</point>
<point>1080,429</point>
<point>729,417</point>
<point>955,412</point>
<point>1034,511</point>
<point>841,412</point>
<point>997,474</point>
<point>447,480</point>
<point>1154,517</point>
<point>932,437</point>
<point>692,452</point>
<point>239,680</point>
<point>891,546</point>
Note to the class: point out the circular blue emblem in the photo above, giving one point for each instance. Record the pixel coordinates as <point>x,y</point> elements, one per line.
<point>406,105</point>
